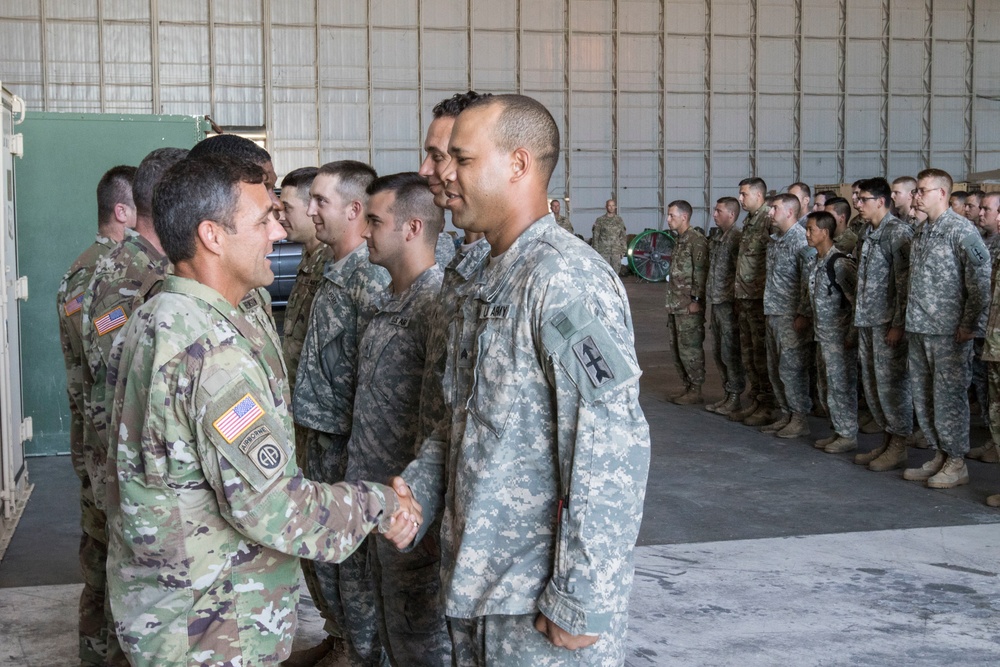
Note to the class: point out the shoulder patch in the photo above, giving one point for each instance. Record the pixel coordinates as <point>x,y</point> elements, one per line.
<point>592,360</point>
<point>975,249</point>
<point>263,451</point>
<point>73,306</point>
<point>111,320</point>
<point>238,418</point>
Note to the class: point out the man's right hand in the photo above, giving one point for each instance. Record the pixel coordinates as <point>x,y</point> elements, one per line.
<point>405,522</point>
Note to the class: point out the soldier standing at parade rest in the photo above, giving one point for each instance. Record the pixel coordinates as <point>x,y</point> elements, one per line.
<point>561,220</point>
<point>116,217</point>
<point>948,302</point>
<point>723,249</point>
<point>541,461</point>
<point>989,220</point>
<point>685,302</point>
<point>608,237</point>
<point>209,512</point>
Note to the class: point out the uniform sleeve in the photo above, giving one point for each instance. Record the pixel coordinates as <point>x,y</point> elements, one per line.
<point>699,260</point>
<point>900,242</point>
<point>247,456</point>
<point>976,264</point>
<point>804,262</point>
<point>603,458</point>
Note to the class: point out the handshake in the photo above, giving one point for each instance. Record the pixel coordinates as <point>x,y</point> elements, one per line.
<point>404,524</point>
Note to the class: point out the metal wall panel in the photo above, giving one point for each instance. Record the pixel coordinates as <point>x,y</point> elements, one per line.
<point>543,61</point>
<point>502,14</point>
<point>639,16</point>
<point>493,57</point>
<point>401,13</point>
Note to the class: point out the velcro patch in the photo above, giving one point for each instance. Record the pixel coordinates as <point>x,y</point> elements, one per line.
<point>593,362</point>
<point>73,306</point>
<point>399,321</point>
<point>238,418</point>
<point>494,311</point>
<point>263,451</point>
<point>975,249</point>
<point>111,320</point>
<point>250,302</point>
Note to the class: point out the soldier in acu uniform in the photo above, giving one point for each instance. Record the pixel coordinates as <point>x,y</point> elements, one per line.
<point>608,237</point>
<point>539,466</point>
<point>989,220</point>
<point>115,219</point>
<point>723,249</point>
<point>686,302</point>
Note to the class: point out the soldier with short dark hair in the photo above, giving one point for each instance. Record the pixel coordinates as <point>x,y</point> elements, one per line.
<point>723,249</point>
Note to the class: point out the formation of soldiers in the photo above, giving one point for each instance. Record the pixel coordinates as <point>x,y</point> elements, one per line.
<point>215,457</point>
<point>817,312</point>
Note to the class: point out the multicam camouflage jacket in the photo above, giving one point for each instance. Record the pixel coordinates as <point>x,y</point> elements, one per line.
<point>751,262</point>
<point>723,250</point>
<point>688,271</point>
<point>308,278</point>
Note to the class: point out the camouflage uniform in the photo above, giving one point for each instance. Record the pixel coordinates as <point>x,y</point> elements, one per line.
<point>392,415</point>
<point>543,451</point>
<point>308,277</point>
<point>788,351</point>
<point>444,249</point>
<point>94,624</point>
<point>324,402</point>
<point>610,240</point>
<point>723,250</point>
<point>751,272</point>
<point>686,285</point>
<point>210,513</point>
<point>990,353</point>
<point>564,222</point>
<point>980,380</point>
<point>847,241</point>
<point>880,304</point>
<point>949,289</point>
<point>831,307</point>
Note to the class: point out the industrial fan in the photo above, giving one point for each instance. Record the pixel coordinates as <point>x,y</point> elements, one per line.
<point>649,254</point>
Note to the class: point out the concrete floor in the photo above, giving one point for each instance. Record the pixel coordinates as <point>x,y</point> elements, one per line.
<point>753,550</point>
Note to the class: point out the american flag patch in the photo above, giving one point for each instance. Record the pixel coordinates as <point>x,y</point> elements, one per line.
<point>74,305</point>
<point>110,321</point>
<point>238,418</point>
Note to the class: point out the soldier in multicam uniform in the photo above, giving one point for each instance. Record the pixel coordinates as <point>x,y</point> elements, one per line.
<point>561,220</point>
<point>685,302</point>
<point>530,452</point>
<point>788,332</point>
<point>751,275</point>
<point>844,238</point>
<point>989,220</point>
<point>325,384</point>
<point>210,513</point>
<point>391,410</point>
<point>880,319</point>
<point>116,218</point>
<point>831,285</point>
<point>948,302</point>
<point>723,249</point>
<point>608,237</point>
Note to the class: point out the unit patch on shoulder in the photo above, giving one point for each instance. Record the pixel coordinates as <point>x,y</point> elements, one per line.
<point>111,320</point>
<point>592,360</point>
<point>238,418</point>
<point>73,306</point>
<point>263,450</point>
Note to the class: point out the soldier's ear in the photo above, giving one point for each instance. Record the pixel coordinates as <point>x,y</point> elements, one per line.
<point>414,228</point>
<point>210,235</point>
<point>520,162</point>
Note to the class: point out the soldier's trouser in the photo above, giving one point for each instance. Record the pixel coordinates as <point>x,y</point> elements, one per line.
<point>840,368</point>
<point>886,380</point>
<point>408,604</point>
<point>979,378</point>
<point>993,380</point>
<point>750,313</point>
<point>513,641</point>
<point>939,380</point>
<point>726,336</point>
<point>788,355</point>
<point>686,336</point>
<point>94,624</point>
<point>346,588</point>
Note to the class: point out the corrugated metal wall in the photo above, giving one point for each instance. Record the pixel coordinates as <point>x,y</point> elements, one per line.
<point>656,100</point>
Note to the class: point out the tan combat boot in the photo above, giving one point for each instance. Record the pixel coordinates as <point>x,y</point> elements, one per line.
<point>927,470</point>
<point>994,500</point>
<point>762,415</point>
<point>991,455</point>
<point>823,442</point>
<point>953,473</point>
<point>745,411</point>
<point>865,458</point>
<point>712,407</point>
<point>731,405</point>
<point>893,457</point>
<point>918,440</point>
<point>691,397</point>
<point>673,396</point>
<point>797,427</point>
<point>310,657</point>
<point>778,424</point>
<point>841,444</point>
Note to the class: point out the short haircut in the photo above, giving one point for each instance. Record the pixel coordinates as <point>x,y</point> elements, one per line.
<point>841,206</point>
<point>353,178</point>
<point>150,170</point>
<point>878,188</point>
<point>790,201</point>
<point>755,183</point>
<point>456,104</point>
<point>990,195</point>
<point>414,199</point>
<point>682,205</point>
<point>524,122</point>
<point>300,179</point>
<point>801,186</point>
<point>978,194</point>
<point>827,195</point>
<point>857,183</point>
<point>234,145</point>
<point>960,195</point>
<point>115,187</point>
<point>732,204</point>
<point>912,182</point>
<point>823,220</point>
<point>941,176</point>
<point>204,188</point>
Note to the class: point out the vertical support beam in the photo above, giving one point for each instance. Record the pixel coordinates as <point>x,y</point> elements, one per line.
<point>754,93</point>
<point>568,104</point>
<point>154,56</point>
<point>43,30</point>
<point>926,152</point>
<point>371,88</point>
<point>970,89</point>
<point>614,98</point>
<point>420,78</point>
<point>661,138</point>
<point>267,62</point>
<point>886,84</point>
<point>318,73</point>
<point>100,56</point>
<point>211,64</point>
<point>518,46</point>
<point>471,53</point>
<point>708,109</point>
<point>842,97</point>
<point>797,85</point>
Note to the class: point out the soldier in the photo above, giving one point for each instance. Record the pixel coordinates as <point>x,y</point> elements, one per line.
<point>948,299</point>
<point>751,274</point>
<point>609,237</point>
<point>788,332</point>
<point>561,220</point>
<point>391,410</point>
<point>115,219</point>
<point>831,285</point>
<point>327,376</point>
<point>723,249</point>
<point>989,220</point>
<point>540,463</point>
<point>820,200</point>
<point>902,199</point>
<point>857,222</point>
<point>210,512</point>
<point>971,209</point>
<point>880,318</point>
<point>685,302</point>
<point>844,238</point>
<point>803,193</point>
<point>957,201</point>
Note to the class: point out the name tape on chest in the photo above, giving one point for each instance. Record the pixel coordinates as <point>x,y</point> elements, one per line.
<point>399,321</point>
<point>490,311</point>
<point>73,306</point>
<point>593,362</point>
<point>110,321</point>
<point>238,418</point>
<point>250,302</point>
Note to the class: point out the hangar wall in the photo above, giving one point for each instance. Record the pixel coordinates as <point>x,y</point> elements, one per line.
<point>656,99</point>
